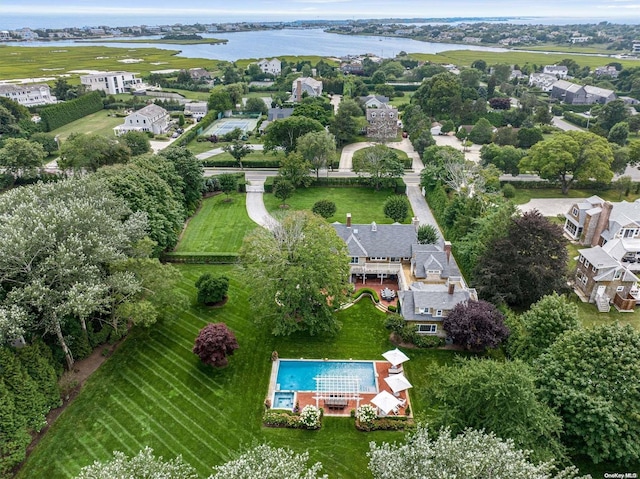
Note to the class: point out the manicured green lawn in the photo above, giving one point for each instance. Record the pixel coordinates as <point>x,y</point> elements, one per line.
<point>99,123</point>
<point>154,392</point>
<point>364,204</point>
<point>218,226</point>
<point>523,195</point>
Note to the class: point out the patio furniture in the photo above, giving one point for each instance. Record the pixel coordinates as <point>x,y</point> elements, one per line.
<point>336,402</point>
<point>396,369</point>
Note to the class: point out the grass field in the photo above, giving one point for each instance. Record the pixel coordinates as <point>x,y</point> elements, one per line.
<point>364,204</point>
<point>218,226</point>
<point>523,195</point>
<point>27,62</point>
<point>153,391</point>
<point>99,123</point>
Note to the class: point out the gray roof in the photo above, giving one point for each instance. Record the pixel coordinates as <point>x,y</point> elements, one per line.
<point>597,91</point>
<point>429,256</point>
<point>8,88</point>
<point>608,275</point>
<point>279,113</point>
<point>152,110</point>
<point>381,241</point>
<point>567,86</point>
<point>380,98</point>
<point>435,296</point>
<point>598,257</point>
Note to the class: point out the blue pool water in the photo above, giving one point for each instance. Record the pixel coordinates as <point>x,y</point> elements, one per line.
<point>283,400</point>
<point>295,375</point>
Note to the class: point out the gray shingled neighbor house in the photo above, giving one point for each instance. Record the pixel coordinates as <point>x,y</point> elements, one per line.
<point>429,281</point>
<point>607,271</point>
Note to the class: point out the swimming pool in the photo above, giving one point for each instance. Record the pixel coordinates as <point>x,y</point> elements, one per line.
<point>298,375</point>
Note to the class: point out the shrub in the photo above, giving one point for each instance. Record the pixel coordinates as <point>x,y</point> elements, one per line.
<point>509,191</point>
<point>212,289</point>
<point>396,208</point>
<point>214,343</point>
<point>310,417</point>
<point>369,291</point>
<point>427,234</point>
<point>60,114</point>
<point>366,414</point>
<point>324,208</point>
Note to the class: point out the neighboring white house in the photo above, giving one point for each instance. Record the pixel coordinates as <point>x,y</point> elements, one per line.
<point>559,71</point>
<point>273,66</point>
<point>151,118</point>
<point>543,81</point>
<point>306,85</point>
<point>28,94</point>
<point>196,109</point>
<point>111,82</point>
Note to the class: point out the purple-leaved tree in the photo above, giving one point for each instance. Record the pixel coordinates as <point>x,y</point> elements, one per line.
<point>214,343</point>
<point>476,325</point>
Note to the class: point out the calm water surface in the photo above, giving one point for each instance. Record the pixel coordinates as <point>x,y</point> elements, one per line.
<point>270,43</point>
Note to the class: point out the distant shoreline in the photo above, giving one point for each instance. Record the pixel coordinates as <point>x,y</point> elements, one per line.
<point>203,41</point>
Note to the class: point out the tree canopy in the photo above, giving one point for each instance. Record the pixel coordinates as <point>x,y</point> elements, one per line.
<point>143,464</point>
<point>318,148</point>
<point>298,273</point>
<point>379,164</point>
<point>469,455</point>
<point>476,325</point>
<point>538,328</point>
<point>591,377</point>
<point>499,397</point>
<point>214,343</point>
<point>85,151</point>
<point>285,133</point>
<point>570,156</point>
<point>68,233</point>
<point>527,264</point>
<point>267,462</point>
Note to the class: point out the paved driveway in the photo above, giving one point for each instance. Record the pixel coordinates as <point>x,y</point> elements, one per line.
<point>549,206</point>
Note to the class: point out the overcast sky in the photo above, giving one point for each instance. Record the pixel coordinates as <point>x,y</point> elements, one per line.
<point>325,9</point>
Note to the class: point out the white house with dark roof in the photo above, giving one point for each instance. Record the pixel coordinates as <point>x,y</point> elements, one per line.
<point>152,118</point>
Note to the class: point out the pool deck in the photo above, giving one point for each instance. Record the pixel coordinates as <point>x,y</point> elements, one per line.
<point>308,397</point>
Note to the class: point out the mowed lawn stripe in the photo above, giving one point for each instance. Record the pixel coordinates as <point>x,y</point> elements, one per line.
<point>159,430</point>
<point>178,416</point>
<point>219,225</point>
<point>198,402</point>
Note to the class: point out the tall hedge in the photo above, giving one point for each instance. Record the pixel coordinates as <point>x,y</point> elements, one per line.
<point>60,114</point>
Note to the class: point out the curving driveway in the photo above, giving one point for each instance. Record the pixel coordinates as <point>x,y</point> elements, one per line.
<point>346,158</point>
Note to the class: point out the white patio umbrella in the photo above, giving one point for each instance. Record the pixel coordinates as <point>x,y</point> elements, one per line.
<point>398,382</point>
<point>385,401</point>
<point>395,357</point>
